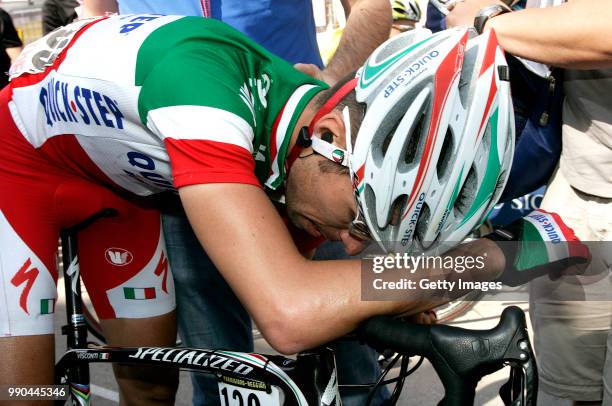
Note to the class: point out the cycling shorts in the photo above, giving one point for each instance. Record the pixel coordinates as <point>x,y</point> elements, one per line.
<point>122,259</point>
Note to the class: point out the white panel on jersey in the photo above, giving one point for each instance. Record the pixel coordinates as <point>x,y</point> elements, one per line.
<point>143,295</point>
<point>201,123</point>
<point>108,50</point>
<point>23,275</point>
<point>62,104</point>
<point>281,131</point>
<point>104,118</point>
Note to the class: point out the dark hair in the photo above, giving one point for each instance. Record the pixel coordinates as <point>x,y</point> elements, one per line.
<point>356,112</point>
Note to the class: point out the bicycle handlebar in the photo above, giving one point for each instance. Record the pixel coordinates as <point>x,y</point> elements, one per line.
<point>462,357</point>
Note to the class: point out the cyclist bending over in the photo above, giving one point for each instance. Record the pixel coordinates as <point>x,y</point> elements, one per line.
<point>415,148</point>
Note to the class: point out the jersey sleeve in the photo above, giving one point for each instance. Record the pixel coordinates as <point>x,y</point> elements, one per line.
<point>198,104</point>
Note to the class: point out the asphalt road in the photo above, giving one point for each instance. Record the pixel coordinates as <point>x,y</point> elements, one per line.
<point>422,388</point>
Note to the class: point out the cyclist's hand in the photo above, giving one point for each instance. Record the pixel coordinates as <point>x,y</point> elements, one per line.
<point>426,317</point>
<point>314,71</point>
<point>463,12</point>
<point>539,244</point>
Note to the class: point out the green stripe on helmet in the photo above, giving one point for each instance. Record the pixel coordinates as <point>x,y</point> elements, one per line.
<point>491,176</point>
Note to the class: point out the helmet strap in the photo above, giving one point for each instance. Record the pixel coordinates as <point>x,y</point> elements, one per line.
<point>305,136</point>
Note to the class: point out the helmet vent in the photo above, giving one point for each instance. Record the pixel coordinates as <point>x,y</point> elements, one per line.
<point>385,144</point>
<point>398,207</point>
<point>414,141</point>
<point>466,80</point>
<point>423,222</point>
<point>399,43</point>
<point>370,200</point>
<point>467,194</point>
<point>444,160</point>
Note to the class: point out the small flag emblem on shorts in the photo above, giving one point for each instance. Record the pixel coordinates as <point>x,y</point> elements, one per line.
<point>139,293</point>
<point>104,356</point>
<point>47,306</point>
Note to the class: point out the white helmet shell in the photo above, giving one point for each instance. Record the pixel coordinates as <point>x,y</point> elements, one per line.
<point>434,149</point>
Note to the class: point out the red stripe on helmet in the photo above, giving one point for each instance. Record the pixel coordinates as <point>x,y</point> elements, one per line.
<point>489,56</point>
<point>449,68</point>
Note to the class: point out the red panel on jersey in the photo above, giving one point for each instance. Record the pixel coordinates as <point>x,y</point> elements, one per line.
<point>202,161</point>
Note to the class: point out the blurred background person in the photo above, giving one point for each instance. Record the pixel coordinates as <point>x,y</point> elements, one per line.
<point>10,45</point>
<point>56,13</point>
<point>406,15</point>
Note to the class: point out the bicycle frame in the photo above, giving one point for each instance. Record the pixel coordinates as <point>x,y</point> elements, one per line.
<point>75,331</point>
<point>308,380</point>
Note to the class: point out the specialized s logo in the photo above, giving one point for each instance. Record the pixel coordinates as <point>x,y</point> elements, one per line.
<point>161,270</point>
<point>63,102</point>
<point>26,275</point>
<point>118,256</point>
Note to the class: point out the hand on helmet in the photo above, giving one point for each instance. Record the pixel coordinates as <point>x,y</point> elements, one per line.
<point>314,71</point>
<point>462,13</point>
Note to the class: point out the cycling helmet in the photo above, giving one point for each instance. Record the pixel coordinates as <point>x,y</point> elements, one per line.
<point>434,149</point>
<point>435,146</point>
<point>406,10</point>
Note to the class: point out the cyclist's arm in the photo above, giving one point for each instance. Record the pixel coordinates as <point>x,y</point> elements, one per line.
<point>575,35</point>
<point>296,303</point>
<point>367,26</point>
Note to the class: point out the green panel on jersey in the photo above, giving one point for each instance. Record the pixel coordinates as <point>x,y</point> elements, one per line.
<point>203,62</point>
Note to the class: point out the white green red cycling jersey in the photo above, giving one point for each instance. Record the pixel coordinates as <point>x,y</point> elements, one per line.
<point>158,102</point>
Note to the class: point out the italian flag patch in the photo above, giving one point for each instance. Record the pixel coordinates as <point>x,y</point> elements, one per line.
<point>47,306</point>
<point>139,293</point>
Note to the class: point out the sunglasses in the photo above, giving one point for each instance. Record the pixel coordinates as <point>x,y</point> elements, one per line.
<point>358,227</point>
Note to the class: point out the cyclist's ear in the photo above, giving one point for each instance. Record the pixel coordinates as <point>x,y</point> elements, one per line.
<point>330,128</point>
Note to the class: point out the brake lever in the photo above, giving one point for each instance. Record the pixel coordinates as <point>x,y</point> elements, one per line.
<point>521,389</point>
